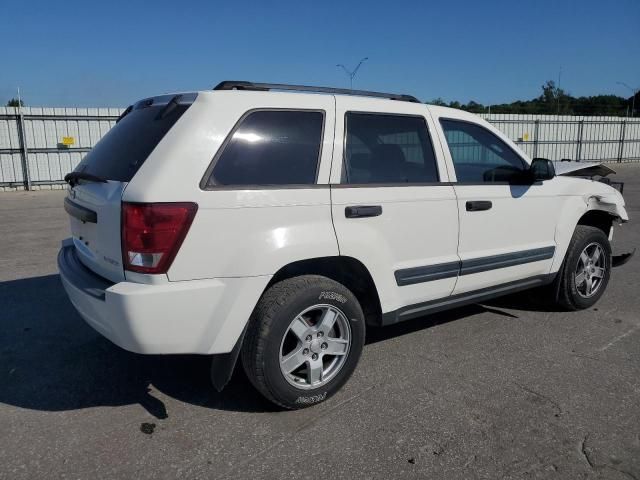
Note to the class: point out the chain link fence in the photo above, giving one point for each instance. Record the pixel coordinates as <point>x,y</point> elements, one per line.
<point>39,146</point>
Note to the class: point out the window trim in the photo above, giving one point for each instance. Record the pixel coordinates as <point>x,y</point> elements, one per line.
<point>344,184</point>
<point>458,182</point>
<point>209,171</point>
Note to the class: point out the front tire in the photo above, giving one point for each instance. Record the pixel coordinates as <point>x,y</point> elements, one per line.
<point>586,269</point>
<point>304,340</point>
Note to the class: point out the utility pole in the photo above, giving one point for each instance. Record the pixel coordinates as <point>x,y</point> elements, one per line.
<point>633,99</point>
<point>558,90</point>
<point>352,73</point>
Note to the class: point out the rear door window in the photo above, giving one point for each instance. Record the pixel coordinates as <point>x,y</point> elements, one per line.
<point>125,148</point>
<point>271,147</point>
<point>383,148</point>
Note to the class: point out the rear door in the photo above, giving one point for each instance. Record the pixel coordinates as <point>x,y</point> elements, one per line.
<point>392,208</point>
<point>94,201</point>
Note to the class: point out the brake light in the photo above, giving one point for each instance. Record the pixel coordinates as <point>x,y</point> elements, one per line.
<point>152,234</point>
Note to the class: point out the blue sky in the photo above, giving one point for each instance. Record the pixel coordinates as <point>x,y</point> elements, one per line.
<point>110,53</point>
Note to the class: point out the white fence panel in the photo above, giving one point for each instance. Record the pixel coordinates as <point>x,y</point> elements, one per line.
<point>48,159</point>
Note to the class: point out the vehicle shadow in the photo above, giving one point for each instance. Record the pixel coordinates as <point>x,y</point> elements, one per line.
<point>51,360</point>
<point>535,300</point>
<point>379,334</point>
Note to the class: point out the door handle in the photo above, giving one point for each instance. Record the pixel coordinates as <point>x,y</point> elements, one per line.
<point>359,211</point>
<point>478,205</point>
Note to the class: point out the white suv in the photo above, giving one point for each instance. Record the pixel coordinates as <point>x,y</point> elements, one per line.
<point>252,221</point>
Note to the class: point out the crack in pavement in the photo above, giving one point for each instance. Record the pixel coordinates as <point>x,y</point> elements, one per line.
<point>557,406</point>
<point>585,454</point>
<point>595,467</point>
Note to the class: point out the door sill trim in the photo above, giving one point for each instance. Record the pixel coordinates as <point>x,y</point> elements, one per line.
<point>432,306</point>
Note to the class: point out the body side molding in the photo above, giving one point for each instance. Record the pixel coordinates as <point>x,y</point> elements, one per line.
<point>483,264</point>
<point>410,276</point>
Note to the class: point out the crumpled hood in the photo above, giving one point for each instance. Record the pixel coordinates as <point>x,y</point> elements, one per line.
<point>582,169</point>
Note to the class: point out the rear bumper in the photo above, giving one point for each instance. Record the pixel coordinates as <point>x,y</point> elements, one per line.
<point>196,316</point>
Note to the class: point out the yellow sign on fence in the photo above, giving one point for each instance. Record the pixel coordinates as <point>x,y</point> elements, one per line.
<point>68,140</point>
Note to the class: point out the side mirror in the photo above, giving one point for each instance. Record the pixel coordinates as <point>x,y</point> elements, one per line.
<point>542,169</point>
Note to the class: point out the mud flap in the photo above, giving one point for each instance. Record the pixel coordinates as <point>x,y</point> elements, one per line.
<point>618,260</point>
<point>223,364</point>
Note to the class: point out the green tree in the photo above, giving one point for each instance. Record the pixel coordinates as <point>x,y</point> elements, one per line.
<point>14,102</point>
<point>438,101</point>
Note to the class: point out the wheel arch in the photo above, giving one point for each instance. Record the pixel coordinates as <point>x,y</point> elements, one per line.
<point>577,213</point>
<point>598,218</point>
<point>346,270</point>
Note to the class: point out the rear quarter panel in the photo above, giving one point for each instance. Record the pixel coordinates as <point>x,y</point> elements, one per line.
<point>238,232</point>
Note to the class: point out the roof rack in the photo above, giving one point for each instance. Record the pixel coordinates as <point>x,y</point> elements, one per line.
<point>240,85</point>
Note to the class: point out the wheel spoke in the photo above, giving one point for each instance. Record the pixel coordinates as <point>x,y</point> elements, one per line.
<point>336,346</point>
<point>589,284</point>
<point>599,273</point>
<point>584,258</point>
<point>327,320</point>
<point>292,361</point>
<point>314,370</point>
<point>300,328</point>
<point>580,278</point>
<point>596,255</point>
<point>319,330</point>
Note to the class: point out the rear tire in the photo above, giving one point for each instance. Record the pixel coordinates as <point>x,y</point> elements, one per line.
<point>586,269</point>
<point>304,340</point>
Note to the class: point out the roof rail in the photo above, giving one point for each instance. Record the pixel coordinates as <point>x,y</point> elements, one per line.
<point>240,85</point>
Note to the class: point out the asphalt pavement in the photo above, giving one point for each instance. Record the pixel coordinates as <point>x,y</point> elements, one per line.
<point>508,389</point>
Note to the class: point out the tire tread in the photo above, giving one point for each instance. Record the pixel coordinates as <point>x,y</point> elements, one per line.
<point>564,296</point>
<point>261,321</point>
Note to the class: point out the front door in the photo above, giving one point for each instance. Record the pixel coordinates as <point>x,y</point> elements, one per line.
<point>507,226</point>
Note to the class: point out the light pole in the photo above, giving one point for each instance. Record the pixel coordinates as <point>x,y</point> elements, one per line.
<point>633,99</point>
<point>352,73</point>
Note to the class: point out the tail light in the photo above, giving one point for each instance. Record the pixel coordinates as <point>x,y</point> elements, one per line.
<point>152,234</point>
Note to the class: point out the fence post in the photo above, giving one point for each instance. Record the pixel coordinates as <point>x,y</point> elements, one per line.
<point>535,138</point>
<point>24,152</point>
<point>579,147</point>
<point>622,133</point>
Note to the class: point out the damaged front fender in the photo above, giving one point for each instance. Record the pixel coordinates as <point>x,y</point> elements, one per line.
<point>610,202</point>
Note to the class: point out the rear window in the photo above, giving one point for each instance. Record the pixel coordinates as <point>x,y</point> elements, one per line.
<point>271,147</point>
<point>124,149</point>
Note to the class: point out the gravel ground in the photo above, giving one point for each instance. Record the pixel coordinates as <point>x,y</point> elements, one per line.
<point>501,390</point>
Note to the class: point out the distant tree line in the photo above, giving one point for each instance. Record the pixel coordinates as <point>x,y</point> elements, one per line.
<point>553,101</point>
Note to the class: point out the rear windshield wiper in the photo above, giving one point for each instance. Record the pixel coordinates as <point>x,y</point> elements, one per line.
<point>73,177</point>
<point>125,113</point>
<point>169,107</point>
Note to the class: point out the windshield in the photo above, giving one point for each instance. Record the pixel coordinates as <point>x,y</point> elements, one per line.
<point>123,150</point>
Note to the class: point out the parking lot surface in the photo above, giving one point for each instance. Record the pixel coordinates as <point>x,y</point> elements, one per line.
<point>506,389</point>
